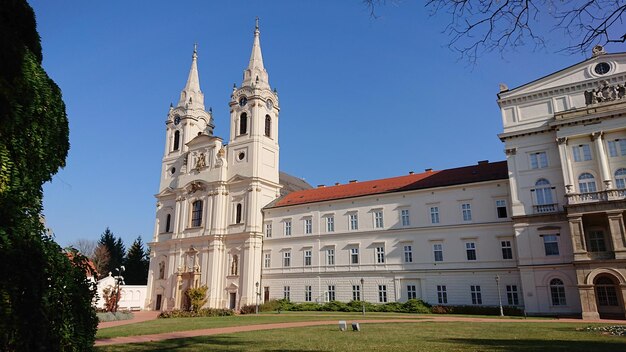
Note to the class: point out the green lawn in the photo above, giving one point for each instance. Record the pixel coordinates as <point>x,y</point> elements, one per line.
<point>423,336</point>
<point>183,324</point>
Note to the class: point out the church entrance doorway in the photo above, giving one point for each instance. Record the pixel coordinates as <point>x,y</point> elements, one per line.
<point>158,302</point>
<point>233,301</point>
<point>609,298</point>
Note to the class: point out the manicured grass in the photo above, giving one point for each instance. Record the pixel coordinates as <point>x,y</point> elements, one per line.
<point>423,336</point>
<point>182,324</point>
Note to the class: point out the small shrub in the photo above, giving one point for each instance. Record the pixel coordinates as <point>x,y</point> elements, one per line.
<point>197,297</point>
<point>269,306</point>
<point>110,316</point>
<point>335,306</point>
<point>248,309</point>
<point>204,312</point>
<point>416,306</point>
<point>477,310</point>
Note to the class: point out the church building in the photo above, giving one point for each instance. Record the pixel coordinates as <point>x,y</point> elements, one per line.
<point>543,230</point>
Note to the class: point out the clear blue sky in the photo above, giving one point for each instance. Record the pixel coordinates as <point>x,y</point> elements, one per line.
<point>361,97</point>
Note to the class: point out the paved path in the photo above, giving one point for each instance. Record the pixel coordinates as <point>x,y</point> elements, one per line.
<point>235,329</point>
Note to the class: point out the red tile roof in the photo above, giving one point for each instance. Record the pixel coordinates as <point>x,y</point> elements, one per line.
<point>484,171</point>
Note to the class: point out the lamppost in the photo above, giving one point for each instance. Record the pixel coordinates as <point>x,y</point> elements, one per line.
<point>258,294</point>
<point>499,296</point>
<point>363,298</point>
<point>118,279</point>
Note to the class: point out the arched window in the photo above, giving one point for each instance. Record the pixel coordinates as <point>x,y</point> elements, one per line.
<point>605,291</point>
<point>176,140</point>
<point>196,214</point>
<point>268,126</point>
<point>557,292</point>
<point>586,183</point>
<point>243,123</point>
<point>543,192</point>
<point>168,220</point>
<point>238,214</point>
<point>620,178</point>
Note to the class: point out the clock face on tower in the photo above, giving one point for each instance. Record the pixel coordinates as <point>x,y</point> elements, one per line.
<point>269,104</point>
<point>176,120</point>
<point>243,101</point>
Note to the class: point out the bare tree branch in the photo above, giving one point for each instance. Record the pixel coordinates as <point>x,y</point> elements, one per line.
<point>476,27</point>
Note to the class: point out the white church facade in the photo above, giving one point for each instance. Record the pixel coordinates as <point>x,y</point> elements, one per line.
<point>533,231</point>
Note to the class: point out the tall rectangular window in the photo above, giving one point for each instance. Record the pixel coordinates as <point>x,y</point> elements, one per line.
<point>551,244</point>
<point>617,147</point>
<point>330,256</point>
<point>501,209</point>
<point>476,296</point>
<point>466,209</point>
<point>196,214</point>
<point>438,252</point>
<point>308,226</point>
<point>404,217</point>
<point>288,228</point>
<point>411,292</point>
<point>538,160</point>
<point>354,256</point>
<point>511,295</point>
<point>354,222</point>
<point>356,292</point>
<point>442,294</point>
<point>286,292</point>
<point>307,257</point>
<point>268,230</point>
<point>378,219</point>
<point>382,293</point>
<point>267,262</point>
<point>330,224</point>
<point>307,293</point>
<point>596,241</point>
<point>380,255</point>
<point>434,215</point>
<point>507,251</point>
<point>331,293</point>
<point>408,254</point>
<point>582,152</point>
<point>470,249</point>
<point>286,259</point>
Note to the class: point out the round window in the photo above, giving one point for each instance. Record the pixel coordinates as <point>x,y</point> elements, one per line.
<point>241,155</point>
<point>173,170</point>
<point>602,68</point>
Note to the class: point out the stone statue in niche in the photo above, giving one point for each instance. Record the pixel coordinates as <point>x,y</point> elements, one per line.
<point>201,161</point>
<point>219,162</point>
<point>234,266</point>
<point>161,270</point>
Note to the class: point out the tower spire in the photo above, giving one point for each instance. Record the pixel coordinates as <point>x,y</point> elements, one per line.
<point>191,96</point>
<point>255,74</point>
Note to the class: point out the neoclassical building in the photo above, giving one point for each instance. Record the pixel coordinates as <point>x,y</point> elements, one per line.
<point>565,142</point>
<point>543,230</point>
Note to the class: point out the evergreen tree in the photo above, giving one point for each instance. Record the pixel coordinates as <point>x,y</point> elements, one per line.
<point>45,298</point>
<point>116,250</point>
<point>136,264</point>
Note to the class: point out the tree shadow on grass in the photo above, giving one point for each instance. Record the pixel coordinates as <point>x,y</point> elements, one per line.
<point>525,345</point>
<point>218,343</point>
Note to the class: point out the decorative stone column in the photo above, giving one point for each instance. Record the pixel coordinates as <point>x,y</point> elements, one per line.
<point>588,302</point>
<point>618,234</point>
<point>578,237</point>
<point>517,207</point>
<point>597,137</point>
<point>566,164</point>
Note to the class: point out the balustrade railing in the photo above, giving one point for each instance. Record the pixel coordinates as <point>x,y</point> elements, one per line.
<point>546,208</point>
<point>599,196</point>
